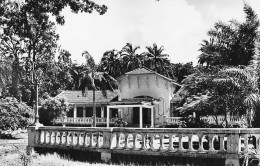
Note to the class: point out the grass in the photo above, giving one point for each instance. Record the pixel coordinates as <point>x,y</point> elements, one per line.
<point>56,160</point>
<point>13,153</point>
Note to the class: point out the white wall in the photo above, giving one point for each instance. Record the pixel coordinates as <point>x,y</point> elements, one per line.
<point>148,85</point>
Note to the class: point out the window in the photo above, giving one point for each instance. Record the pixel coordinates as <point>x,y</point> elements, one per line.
<point>89,111</point>
<point>70,112</point>
<point>80,112</point>
<point>98,111</point>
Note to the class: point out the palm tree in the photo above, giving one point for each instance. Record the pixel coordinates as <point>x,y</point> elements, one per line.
<point>231,43</point>
<point>209,54</point>
<point>156,59</point>
<point>110,63</point>
<point>5,72</point>
<point>130,58</point>
<point>77,72</point>
<point>94,80</point>
<point>241,83</point>
<point>232,90</point>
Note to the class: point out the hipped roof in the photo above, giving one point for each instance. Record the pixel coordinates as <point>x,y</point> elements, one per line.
<point>76,96</point>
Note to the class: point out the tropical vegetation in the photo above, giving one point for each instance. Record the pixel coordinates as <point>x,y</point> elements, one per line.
<point>225,81</point>
<point>14,114</point>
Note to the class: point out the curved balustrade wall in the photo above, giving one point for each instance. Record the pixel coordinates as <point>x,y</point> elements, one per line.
<point>151,141</point>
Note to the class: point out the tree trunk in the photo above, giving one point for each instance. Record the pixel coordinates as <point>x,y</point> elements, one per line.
<point>15,77</point>
<point>94,108</point>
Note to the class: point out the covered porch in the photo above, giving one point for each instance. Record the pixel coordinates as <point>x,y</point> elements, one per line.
<point>136,111</point>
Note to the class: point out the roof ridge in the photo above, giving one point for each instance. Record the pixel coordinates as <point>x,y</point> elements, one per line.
<point>140,69</point>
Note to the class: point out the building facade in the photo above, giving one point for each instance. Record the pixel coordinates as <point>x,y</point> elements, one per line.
<point>143,99</point>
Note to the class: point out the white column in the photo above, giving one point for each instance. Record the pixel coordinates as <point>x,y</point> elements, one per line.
<point>141,116</point>
<point>108,109</point>
<point>84,111</point>
<point>152,116</point>
<point>120,113</point>
<point>102,111</point>
<point>75,111</point>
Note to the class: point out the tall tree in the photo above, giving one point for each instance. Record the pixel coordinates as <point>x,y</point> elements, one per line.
<point>94,80</point>
<point>231,44</point>
<point>131,60</point>
<point>28,32</point>
<point>181,71</point>
<point>157,60</point>
<point>229,91</point>
<point>111,63</point>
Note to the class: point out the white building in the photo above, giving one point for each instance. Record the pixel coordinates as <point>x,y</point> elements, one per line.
<point>143,99</point>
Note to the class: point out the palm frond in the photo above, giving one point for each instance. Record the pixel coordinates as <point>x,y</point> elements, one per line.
<point>252,100</point>
<point>89,60</point>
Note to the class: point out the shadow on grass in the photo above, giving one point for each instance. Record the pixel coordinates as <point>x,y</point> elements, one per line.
<point>74,155</point>
<point>10,136</point>
<point>126,159</point>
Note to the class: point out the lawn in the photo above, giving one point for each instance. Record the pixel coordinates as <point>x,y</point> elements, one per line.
<point>13,153</point>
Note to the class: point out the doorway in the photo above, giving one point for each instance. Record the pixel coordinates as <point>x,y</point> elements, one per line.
<point>146,116</point>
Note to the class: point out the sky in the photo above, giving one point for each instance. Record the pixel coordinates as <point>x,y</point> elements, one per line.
<point>178,25</point>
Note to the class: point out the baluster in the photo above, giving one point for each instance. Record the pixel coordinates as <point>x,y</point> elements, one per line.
<point>71,139</point>
<point>49,140</point>
<point>152,142</point>
<point>45,135</point>
<point>170,149</point>
<point>98,140</point>
<point>66,138</point>
<point>134,142</point>
<point>61,135</point>
<point>78,135</point>
<point>257,142</point>
<point>221,142</point>
<point>87,139</point>
<point>118,141</point>
<point>190,148</point>
<point>50,137</point>
<point>161,142</point>
<point>126,139</point>
<point>41,137</point>
<point>180,148</point>
<point>246,136</point>
<point>211,143</point>
<point>143,141</point>
<point>201,144</point>
<point>54,141</point>
<point>84,139</point>
<point>91,140</point>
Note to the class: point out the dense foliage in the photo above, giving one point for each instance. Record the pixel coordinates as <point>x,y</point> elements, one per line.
<point>14,114</point>
<point>29,43</point>
<point>231,43</point>
<point>229,83</point>
<point>53,108</point>
<point>94,80</point>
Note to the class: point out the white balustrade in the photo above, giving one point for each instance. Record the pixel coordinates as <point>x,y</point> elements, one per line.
<point>152,140</point>
<point>82,121</point>
<point>233,120</point>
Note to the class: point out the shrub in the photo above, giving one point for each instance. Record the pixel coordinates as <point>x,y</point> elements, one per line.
<point>119,122</point>
<point>14,114</point>
<point>52,108</point>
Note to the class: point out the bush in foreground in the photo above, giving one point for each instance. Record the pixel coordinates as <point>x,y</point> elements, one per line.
<point>14,114</point>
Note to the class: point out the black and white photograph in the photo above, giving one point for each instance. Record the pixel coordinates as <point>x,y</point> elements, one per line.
<point>129,82</point>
